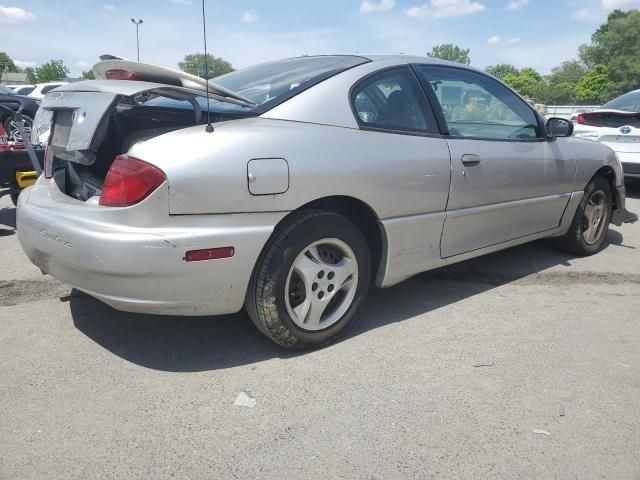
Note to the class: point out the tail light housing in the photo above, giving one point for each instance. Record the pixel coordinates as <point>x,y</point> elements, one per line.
<point>587,120</point>
<point>130,181</point>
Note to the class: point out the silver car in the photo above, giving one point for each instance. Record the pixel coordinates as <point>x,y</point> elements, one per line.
<point>291,187</point>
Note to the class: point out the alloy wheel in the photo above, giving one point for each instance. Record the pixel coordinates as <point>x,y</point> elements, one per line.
<point>595,217</point>
<point>321,284</point>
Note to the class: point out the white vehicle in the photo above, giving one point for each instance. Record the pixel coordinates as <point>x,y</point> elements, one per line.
<point>22,89</point>
<point>41,89</point>
<point>617,125</point>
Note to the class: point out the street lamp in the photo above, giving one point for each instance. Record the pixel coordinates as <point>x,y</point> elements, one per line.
<point>137,24</point>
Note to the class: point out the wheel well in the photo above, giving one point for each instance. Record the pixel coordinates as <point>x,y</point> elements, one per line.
<point>361,215</point>
<point>609,175</point>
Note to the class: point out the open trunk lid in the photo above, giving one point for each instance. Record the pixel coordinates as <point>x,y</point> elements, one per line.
<point>116,69</point>
<point>87,124</point>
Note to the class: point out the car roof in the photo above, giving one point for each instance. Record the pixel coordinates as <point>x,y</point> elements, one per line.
<point>406,59</point>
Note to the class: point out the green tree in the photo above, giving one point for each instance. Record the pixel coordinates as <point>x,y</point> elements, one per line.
<point>595,87</point>
<point>31,75</point>
<point>501,70</point>
<point>88,75</point>
<point>450,52</point>
<point>616,44</point>
<point>528,82</point>
<point>560,85</point>
<point>6,64</point>
<point>194,64</point>
<point>52,71</point>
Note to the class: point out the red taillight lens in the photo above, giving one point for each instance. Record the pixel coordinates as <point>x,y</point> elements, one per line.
<point>129,181</point>
<point>587,120</point>
<point>122,75</point>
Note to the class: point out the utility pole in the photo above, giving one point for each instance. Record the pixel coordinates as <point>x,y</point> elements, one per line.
<point>137,24</point>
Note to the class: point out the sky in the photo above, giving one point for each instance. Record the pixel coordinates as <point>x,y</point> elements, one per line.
<point>536,33</point>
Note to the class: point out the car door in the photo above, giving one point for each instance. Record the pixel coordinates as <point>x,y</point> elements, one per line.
<point>408,163</point>
<point>507,180</point>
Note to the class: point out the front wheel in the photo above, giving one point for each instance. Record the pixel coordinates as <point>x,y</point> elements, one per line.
<point>591,222</point>
<point>310,281</point>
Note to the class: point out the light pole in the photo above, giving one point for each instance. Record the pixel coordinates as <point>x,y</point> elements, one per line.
<point>137,24</point>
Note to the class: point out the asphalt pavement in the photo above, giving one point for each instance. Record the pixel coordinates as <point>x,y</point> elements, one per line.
<point>521,364</point>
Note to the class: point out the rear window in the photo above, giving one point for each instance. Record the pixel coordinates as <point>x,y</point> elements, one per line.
<point>629,102</point>
<point>269,84</point>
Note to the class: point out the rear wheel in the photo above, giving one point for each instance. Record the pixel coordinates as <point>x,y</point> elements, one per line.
<point>310,280</point>
<point>591,222</point>
<point>11,127</point>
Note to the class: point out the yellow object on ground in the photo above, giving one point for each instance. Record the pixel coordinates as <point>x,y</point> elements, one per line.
<point>26,179</point>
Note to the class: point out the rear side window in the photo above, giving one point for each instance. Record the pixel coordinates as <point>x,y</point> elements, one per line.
<point>48,88</point>
<point>393,100</point>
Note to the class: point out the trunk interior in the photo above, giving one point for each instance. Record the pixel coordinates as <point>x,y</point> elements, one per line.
<point>81,174</point>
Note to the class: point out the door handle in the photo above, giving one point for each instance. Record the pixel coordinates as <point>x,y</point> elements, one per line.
<point>470,160</point>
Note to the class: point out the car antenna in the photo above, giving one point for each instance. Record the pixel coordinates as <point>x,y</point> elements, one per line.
<point>209,127</point>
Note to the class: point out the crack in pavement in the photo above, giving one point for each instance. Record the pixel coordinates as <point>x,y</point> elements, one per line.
<point>16,292</point>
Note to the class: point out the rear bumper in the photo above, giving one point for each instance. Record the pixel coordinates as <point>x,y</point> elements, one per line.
<point>142,269</point>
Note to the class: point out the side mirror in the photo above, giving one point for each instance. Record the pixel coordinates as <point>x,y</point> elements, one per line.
<point>559,127</point>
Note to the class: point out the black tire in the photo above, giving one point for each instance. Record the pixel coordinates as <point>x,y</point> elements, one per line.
<point>574,241</point>
<point>265,300</point>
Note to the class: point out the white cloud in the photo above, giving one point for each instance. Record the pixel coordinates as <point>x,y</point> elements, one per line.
<point>181,2</point>
<point>368,6</point>
<point>24,63</point>
<point>15,15</point>
<point>108,6</point>
<point>514,40</point>
<point>621,4</point>
<point>495,40</point>
<point>585,14</point>
<point>445,8</point>
<point>82,64</point>
<point>517,5</point>
<point>249,17</point>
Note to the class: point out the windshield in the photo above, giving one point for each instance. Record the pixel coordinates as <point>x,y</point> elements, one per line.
<point>629,102</point>
<point>6,90</point>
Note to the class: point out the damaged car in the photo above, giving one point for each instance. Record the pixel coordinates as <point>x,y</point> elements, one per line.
<point>292,187</point>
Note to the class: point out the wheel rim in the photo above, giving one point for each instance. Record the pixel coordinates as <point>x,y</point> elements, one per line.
<point>321,284</point>
<point>594,220</point>
<point>14,130</point>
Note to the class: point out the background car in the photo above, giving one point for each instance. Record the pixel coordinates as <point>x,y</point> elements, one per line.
<point>23,89</point>
<point>41,89</point>
<point>329,175</point>
<point>8,98</point>
<point>617,125</point>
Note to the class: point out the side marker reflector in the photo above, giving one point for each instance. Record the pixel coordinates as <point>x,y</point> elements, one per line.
<point>209,254</point>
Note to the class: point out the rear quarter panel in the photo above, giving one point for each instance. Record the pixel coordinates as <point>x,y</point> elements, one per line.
<point>396,175</point>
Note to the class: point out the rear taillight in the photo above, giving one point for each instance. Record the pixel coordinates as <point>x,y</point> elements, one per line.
<point>129,181</point>
<point>122,75</point>
<point>587,120</point>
